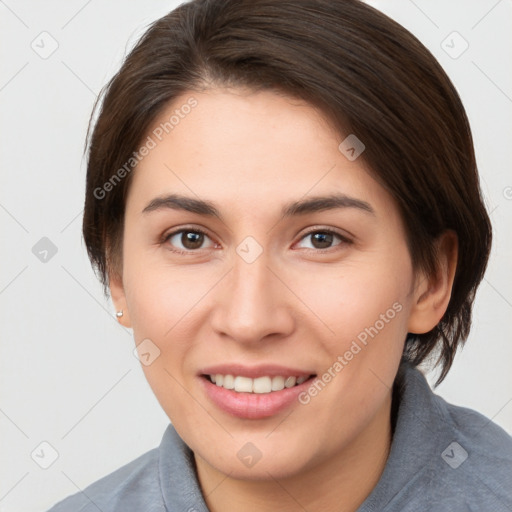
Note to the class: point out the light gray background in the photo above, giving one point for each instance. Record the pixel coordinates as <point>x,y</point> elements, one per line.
<point>68,373</point>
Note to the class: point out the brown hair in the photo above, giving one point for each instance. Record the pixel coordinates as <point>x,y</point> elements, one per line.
<point>365,72</point>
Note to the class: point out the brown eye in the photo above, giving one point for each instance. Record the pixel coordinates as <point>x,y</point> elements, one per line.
<point>186,240</point>
<point>324,239</point>
<point>191,240</point>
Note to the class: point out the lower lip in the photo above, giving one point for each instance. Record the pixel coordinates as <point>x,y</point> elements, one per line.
<point>252,405</point>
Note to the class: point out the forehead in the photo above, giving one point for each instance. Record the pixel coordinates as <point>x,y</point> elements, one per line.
<point>248,149</point>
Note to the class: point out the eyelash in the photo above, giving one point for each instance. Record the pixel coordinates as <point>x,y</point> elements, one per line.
<point>344,239</point>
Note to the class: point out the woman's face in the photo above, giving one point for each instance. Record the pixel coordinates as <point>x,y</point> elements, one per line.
<point>271,291</point>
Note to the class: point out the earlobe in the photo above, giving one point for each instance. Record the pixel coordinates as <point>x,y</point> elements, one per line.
<point>119,299</point>
<point>432,293</point>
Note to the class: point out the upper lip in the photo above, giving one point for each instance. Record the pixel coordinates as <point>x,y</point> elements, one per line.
<point>262,370</point>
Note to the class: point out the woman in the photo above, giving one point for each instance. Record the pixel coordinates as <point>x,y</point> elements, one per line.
<point>283,200</point>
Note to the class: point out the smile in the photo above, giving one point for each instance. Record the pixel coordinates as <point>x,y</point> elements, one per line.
<point>253,392</point>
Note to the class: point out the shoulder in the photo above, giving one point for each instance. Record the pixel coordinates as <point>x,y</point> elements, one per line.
<point>133,487</point>
<point>160,480</point>
<point>472,459</point>
<point>443,457</point>
<point>479,455</point>
<point>484,437</point>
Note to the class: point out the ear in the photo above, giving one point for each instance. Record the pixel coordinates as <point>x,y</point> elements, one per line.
<point>432,293</point>
<point>118,298</point>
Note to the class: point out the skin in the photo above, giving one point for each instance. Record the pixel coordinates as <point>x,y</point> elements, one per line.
<point>296,305</point>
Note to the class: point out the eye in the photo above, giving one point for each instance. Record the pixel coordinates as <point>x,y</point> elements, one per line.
<point>190,239</point>
<point>323,239</point>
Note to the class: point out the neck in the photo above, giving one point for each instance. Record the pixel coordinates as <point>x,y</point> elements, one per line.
<point>339,484</point>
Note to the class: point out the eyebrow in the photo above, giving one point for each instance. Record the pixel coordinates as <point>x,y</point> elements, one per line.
<point>295,208</point>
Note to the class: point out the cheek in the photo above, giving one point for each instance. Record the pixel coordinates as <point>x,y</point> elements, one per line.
<point>160,295</point>
<point>359,298</point>
<point>161,305</point>
<point>167,306</point>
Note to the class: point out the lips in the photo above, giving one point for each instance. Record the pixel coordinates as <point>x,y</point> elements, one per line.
<point>253,392</point>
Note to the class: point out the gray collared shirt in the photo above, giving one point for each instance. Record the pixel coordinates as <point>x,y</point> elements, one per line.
<point>443,458</point>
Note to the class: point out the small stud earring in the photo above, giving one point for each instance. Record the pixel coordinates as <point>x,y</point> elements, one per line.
<point>119,314</point>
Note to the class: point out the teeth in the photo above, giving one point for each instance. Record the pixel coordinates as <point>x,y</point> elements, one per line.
<point>243,384</point>
<point>259,385</point>
<point>277,383</point>
<point>262,385</point>
<point>229,382</point>
<point>290,382</point>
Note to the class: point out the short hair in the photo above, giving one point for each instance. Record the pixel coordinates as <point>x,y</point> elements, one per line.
<point>366,73</point>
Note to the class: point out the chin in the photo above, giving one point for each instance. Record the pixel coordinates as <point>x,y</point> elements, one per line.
<point>255,460</point>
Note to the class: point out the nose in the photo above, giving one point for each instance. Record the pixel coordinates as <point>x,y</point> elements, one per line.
<point>253,304</point>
